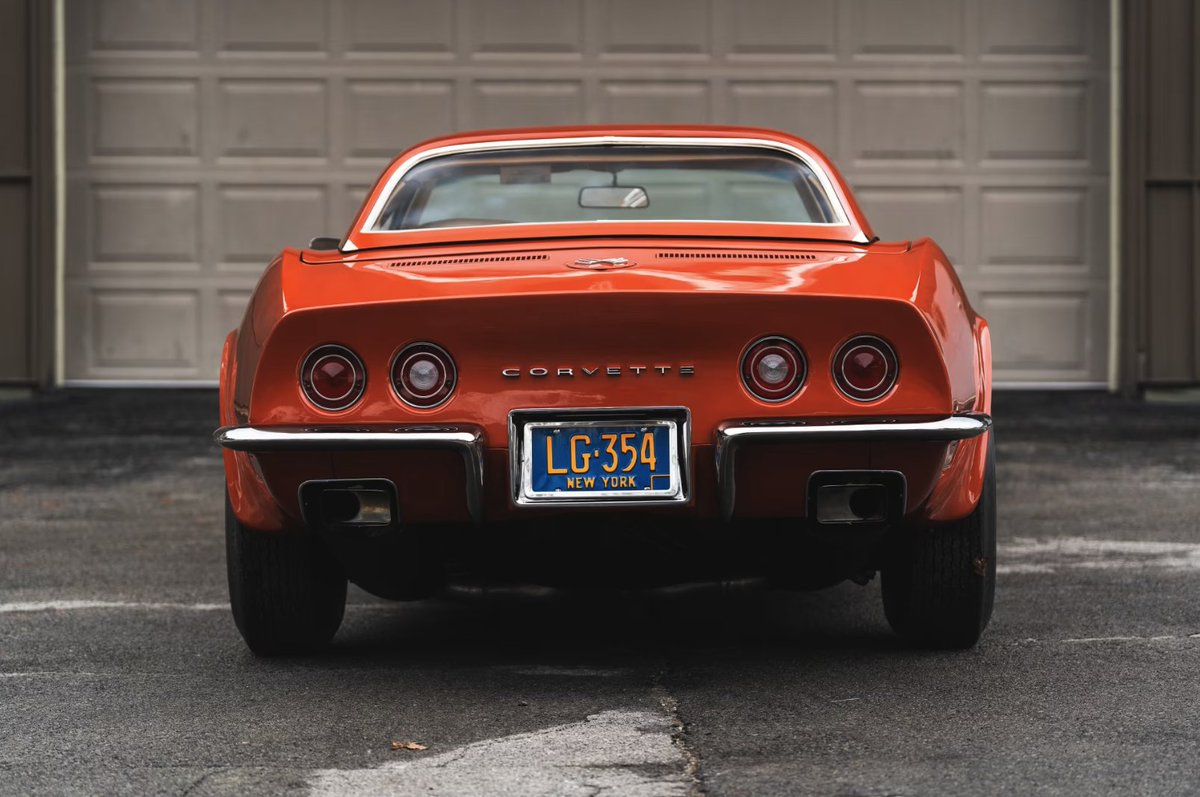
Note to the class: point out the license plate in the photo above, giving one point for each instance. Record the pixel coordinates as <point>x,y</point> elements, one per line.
<point>589,460</point>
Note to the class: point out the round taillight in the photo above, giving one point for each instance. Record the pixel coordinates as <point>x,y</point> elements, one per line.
<point>333,377</point>
<point>865,368</point>
<point>773,369</point>
<point>423,375</point>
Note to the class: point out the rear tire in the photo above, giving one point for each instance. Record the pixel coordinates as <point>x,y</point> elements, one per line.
<point>939,583</point>
<point>287,593</point>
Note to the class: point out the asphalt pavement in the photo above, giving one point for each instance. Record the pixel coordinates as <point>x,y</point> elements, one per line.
<point>121,671</point>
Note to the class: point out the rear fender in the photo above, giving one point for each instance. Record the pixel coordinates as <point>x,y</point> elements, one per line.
<point>249,497</point>
<point>961,484</point>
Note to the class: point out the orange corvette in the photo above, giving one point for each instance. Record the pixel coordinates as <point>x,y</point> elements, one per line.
<point>609,355</point>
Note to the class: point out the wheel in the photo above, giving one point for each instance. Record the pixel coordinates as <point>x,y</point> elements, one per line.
<point>287,594</point>
<point>939,583</point>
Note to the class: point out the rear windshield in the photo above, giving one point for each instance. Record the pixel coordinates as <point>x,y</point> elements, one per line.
<point>614,182</point>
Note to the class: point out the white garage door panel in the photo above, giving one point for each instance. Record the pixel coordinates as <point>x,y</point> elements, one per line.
<point>203,135</point>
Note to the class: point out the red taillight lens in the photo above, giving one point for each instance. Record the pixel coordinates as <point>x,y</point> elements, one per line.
<point>773,369</point>
<point>423,375</point>
<point>333,377</point>
<point>865,368</point>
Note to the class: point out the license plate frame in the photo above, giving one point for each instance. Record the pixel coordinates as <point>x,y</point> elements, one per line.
<point>523,426</point>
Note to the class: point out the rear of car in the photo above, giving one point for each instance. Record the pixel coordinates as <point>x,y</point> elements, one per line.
<point>530,345</point>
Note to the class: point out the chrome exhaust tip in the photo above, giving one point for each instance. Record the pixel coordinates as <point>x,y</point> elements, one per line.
<point>851,497</point>
<point>852,503</point>
<point>345,503</point>
<point>356,507</point>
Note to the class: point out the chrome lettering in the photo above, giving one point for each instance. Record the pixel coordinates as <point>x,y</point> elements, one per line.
<point>569,372</point>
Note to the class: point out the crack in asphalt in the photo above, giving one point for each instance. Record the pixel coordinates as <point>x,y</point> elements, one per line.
<point>679,735</point>
<point>195,784</point>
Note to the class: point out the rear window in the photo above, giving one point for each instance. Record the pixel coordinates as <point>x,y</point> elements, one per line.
<point>612,182</point>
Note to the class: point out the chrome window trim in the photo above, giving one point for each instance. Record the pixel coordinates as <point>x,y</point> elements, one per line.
<point>835,202</point>
<point>730,437</point>
<point>468,441</point>
<point>682,442</point>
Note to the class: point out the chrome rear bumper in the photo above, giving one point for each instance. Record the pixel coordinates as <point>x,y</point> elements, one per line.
<point>732,436</point>
<point>467,441</point>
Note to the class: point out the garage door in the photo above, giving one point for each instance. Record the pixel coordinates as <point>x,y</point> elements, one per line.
<point>205,135</point>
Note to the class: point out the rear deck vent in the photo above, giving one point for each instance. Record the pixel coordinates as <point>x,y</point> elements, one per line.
<point>705,254</point>
<point>454,261</point>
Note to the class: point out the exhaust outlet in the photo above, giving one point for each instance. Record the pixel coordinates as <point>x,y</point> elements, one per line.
<point>354,506</point>
<point>851,503</point>
<point>339,506</point>
<point>868,503</point>
<point>852,497</point>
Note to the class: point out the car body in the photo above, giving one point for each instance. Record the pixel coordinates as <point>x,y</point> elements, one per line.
<point>698,320</point>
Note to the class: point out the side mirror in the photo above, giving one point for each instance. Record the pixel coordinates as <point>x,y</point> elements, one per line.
<point>322,243</point>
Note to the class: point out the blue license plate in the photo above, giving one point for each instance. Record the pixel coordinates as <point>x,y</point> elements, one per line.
<point>572,460</point>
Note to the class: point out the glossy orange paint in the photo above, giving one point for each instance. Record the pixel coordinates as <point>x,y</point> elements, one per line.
<point>500,298</point>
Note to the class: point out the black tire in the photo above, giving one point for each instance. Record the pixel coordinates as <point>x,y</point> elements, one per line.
<point>939,583</point>
<point>287,594</point>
